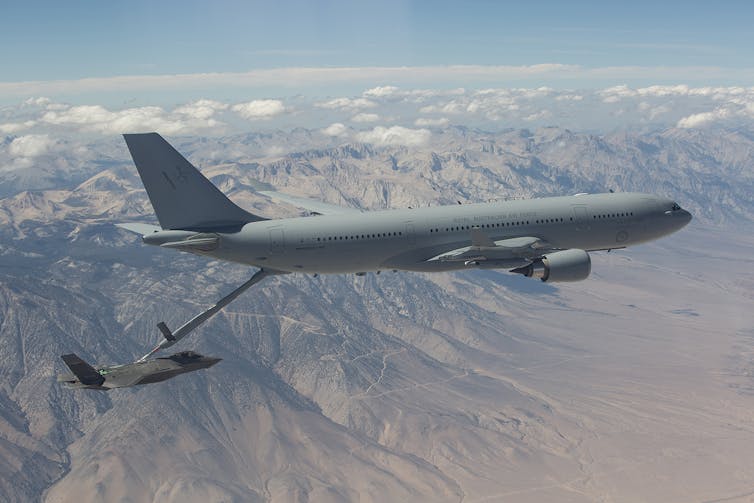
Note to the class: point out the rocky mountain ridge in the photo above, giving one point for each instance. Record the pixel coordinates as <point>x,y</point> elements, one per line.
<point>448,387</point>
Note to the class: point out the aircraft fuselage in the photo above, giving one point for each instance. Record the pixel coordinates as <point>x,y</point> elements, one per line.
<point>405,239</point>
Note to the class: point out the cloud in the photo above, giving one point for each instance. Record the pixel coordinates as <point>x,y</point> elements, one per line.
<point>335,129</point>
<point>704,118</point>
<point>536,116</point>
<point>97,118</point>
<point>292,77</point>
<point>395,135</point>
<point>304,77</point>
<point>498,104</point>
<point>347,104</point>
<point>39,101</point>
<point>363,117</point>
<point>410,95</point>
<point>15,127</point>
<point>259,109</point>
<point>611,107</point>
<point>616,93</point>
<point>381,91</point>
<point>201,109</point>
<point>425,122</point>
<point>32,145</point>
<point>569,97</point>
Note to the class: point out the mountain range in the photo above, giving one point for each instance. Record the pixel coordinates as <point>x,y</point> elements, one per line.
<point>472,386</point>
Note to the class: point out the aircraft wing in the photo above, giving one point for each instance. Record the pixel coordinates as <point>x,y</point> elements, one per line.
<point>311,205</point>
<point>511,252</point>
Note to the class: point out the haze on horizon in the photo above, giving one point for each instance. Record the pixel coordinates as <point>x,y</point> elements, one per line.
<point>190,68</point>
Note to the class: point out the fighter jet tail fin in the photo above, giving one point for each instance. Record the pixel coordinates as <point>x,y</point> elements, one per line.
<point>85,373</point>
<point>182,198</point>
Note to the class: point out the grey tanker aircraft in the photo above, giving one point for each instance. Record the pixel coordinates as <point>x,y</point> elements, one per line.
<point>545,238</point>
<point>548,239</point>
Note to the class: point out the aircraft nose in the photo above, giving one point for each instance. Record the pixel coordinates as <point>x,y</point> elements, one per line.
<point>683,218</point>
<point>211,360</point>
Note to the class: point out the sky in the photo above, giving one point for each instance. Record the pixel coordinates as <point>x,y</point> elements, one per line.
<point>235,64</point>
<point>72,40</point>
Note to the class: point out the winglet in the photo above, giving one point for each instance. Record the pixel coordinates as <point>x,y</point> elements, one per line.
<point>83,371</point>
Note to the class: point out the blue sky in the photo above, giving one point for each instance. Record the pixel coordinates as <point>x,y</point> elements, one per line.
<point>71,40</point>
<point>214,67</point>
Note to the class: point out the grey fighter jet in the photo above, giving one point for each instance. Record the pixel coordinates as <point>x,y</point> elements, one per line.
<point>131,374</point>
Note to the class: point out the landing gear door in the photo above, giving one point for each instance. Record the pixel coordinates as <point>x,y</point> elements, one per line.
<point>581,217</point>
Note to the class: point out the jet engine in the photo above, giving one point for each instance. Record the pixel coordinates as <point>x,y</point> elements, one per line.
<point>566,265</point>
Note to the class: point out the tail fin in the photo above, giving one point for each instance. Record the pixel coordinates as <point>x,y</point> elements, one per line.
<point>86,373</point>
<point>181,196</point>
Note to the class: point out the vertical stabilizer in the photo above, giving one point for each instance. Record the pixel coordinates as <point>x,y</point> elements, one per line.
<point>181,196</point>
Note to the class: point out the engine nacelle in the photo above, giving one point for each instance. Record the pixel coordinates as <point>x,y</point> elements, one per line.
<point>566,265</point>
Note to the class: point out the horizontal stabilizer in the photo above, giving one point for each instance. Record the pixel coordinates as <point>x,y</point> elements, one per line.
<point>85,373</point>
<point>141,229</point>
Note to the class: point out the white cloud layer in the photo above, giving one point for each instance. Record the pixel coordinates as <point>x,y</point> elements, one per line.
<point>705,118</point>
<point>347,104</point>
<point>201,109</point>
<point>364,117</point>
<point>95,118</point>
<point>15,127</point>
<point>336,129</point>
<point>33,145</point>
<point>392,81</point>
<point>490,108</point>
<point>395,135</point>
<point>381,91</point>
<point>425,122</point>
<point>259,109</point>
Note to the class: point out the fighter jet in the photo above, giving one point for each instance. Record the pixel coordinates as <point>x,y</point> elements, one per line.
<point>131,374</point>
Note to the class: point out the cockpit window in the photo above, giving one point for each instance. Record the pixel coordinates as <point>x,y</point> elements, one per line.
<point>675,207</point>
